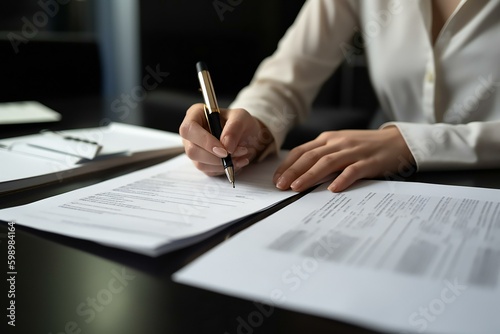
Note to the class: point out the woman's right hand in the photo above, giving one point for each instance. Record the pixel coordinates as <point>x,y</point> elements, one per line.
<point>243,136</point>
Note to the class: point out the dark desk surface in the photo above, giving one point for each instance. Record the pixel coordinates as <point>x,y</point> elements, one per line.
<point>66,284</point>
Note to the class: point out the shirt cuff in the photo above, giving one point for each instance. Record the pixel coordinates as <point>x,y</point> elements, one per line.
<point>442,146</point>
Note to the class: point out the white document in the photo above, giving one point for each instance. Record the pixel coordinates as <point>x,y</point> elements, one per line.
<point>391,256</point>
<point>154,210</point>
<point>26,163</point>
<point>26,112</point>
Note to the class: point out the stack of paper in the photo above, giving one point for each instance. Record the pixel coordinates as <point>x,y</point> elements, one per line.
<point>154,210</point>
<point>396,257</point>
<point>51,157</point>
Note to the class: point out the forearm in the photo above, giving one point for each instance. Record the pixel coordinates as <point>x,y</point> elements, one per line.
<point>285,84</point>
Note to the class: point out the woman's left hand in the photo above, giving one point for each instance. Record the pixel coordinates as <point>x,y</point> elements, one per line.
<point>356,154</point>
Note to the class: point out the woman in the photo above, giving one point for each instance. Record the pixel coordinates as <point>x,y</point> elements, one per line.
<point>433,65</point>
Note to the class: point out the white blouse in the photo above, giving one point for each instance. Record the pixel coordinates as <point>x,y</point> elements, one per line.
<point>443,97</point>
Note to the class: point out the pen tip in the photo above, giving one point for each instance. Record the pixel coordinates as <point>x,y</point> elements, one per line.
<point>230,174</point>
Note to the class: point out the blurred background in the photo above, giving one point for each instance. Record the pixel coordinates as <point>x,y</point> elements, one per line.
<point>134,61</point>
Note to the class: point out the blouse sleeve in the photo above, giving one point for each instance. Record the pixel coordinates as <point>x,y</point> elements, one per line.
<point>285,84</point>
<point>448,146</point>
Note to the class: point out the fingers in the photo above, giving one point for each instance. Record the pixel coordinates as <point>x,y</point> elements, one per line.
<point>313,167</point>
<point>205,150</point>
<point>193,130</point>
<point>241,130</point>
<point>305,150</point>
<point>197,153</point>
<point>357,154</point>
<point>217,169</point>
<point>211,164</point>
<point>235,127</point>
<point>349,175</point>
<point>297,170</point>
<point>308,171</point>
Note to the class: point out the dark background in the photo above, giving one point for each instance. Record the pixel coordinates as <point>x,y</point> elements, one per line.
<point>180,33</point>
<point>63,60</point>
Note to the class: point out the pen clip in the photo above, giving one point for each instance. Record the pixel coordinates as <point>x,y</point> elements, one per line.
<point>207,90</point>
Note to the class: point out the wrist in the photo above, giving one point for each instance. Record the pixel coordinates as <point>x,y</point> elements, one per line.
<point>265,141</point>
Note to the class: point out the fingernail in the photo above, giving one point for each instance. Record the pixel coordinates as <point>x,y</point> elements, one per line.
<point>332,187</point>
<point>220,152</point>
<point>276,177</point>
<point>228,144</point>
<point>281,184</point>
<point>242,163</point>
<point>240,151</point>
<point>225,141</point>
<point>296,184</point>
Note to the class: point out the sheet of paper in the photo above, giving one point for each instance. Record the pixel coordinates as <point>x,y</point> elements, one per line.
<point>391,256</point>
<point>24,165</point>
<point>154,210</point>
<point>116,138</point>
<point>18,165</point>
<point>77,147</point>
<point>120,138</point>
<point>26,112</point>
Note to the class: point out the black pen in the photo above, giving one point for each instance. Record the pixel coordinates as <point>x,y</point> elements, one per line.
<point>212,113</point>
